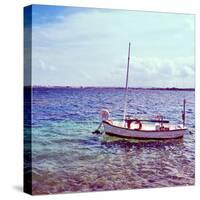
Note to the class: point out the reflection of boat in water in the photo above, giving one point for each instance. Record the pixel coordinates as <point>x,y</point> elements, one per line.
<point>157,128</point>
<point>131,143</point>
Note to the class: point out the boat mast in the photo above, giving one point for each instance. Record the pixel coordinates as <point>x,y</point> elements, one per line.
<point>126,86</point>
<point>183,112</point>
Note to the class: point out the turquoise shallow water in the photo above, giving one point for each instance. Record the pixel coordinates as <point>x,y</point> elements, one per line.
<point>66,157</point>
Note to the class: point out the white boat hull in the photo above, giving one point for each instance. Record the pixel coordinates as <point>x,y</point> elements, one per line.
<point>119,131</point>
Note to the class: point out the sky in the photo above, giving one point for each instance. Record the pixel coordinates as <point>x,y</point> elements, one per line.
<point>74,46</point>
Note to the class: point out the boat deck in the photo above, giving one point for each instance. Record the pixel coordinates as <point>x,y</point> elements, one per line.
<point>147,126</point>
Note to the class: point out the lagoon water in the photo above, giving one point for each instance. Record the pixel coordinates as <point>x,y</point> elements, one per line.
<point>67,157</point>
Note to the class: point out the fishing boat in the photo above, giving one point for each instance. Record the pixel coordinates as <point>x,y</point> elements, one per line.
<point>147,131</point>
<point>138,128</point>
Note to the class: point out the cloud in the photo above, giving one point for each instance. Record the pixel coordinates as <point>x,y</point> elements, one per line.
<point>90,48</point>
<point>155,71</point>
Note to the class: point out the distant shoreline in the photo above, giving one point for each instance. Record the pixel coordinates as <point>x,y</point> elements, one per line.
<point>100,87</point>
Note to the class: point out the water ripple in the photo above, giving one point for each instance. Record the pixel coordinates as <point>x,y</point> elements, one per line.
<point>67,157</point>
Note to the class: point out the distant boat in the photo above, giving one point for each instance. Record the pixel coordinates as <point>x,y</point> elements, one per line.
<point>138,128</point>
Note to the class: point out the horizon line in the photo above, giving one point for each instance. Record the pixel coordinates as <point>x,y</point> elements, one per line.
<point>119,87</point>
